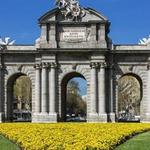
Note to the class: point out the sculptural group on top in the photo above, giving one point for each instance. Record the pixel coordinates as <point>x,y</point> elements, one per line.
<point>72,10</point>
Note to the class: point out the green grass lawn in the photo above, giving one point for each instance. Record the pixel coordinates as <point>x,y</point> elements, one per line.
<point>139,142</point>
<point>5,144</point>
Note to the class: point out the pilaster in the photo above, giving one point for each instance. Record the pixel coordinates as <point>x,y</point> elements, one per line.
<point>43,39</point>
<point>52,36</point>
<point>102,38</point>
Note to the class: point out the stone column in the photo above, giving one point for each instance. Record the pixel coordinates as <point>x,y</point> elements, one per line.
<point>93,87</point>
<point>44,88</point>
<point>52,93</point>
<point>93,116</point>
<point>37,89</point>
<point>101,97</point>
<point>52,88</point>
<point>1,94</point>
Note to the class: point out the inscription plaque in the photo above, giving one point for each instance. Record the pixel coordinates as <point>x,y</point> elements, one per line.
<point>74,35</point>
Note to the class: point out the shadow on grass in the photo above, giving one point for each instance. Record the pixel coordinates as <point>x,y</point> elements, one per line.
<point>138,142</point>
<point>6,144</point>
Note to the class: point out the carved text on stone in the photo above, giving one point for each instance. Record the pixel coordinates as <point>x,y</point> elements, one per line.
<point>74,35</point>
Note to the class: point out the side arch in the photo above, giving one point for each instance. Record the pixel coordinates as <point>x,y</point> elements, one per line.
<point>25,70</point>
<point>141,74</point>
<point>130,93</point>
<point>139,80</point>
<point>12,72</point>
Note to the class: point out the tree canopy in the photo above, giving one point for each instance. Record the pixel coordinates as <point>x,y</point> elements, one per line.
<point>75,104</point>
<point>22,88</point>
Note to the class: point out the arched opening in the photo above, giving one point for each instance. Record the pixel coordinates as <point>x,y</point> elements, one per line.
<point>19,98</point>
<point>129,98</point>
<point>74,98</point>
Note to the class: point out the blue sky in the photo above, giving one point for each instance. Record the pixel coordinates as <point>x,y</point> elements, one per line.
<point>82,85</point>
<point>130,19</point>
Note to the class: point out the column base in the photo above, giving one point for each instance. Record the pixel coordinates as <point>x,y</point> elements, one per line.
<point>95,117</point>
<point>92,117</point>
<point>111,117</point>
<point>145,118</point>
<point>44,117</point>
<point>1,117</point>
<point>102,118</point>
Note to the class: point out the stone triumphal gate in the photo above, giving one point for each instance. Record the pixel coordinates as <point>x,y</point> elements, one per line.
<point>76,44</point>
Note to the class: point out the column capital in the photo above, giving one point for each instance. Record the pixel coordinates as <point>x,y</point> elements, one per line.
<point>110,65</point>
<point>103,65</point>
<point>37,66</point>
<point>53,65</point>
<point>95,65</point>
<point>45,64</point>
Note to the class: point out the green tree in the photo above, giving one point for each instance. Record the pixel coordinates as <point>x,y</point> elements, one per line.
<point>75,103</point>
<point>23,92</point>
<point>22,88</point>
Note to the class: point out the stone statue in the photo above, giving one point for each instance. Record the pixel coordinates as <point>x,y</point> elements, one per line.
<point>73,11</point>
<point>61,3</point>
<point>4,42</point>
<point>145,41</point>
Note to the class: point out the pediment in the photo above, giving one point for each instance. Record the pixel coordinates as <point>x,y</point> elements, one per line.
<point>55,15</point>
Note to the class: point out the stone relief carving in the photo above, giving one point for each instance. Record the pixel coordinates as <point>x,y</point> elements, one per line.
<point>71,9</point>
<point>129,97</point>
<point>74,66</point>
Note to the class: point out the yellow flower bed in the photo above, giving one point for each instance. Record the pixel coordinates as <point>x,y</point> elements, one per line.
<point>69,136</point>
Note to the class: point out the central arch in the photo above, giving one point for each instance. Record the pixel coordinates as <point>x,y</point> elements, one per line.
<point>19,103</point>
<point>64,83</point>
